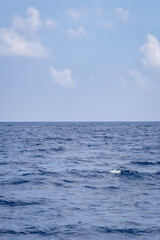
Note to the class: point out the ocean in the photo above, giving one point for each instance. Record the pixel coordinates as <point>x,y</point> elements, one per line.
<point>80,180</point>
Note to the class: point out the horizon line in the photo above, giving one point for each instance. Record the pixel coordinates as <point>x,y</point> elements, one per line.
<point>81,121</point>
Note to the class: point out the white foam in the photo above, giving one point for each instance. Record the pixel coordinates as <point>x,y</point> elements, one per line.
<point>115,171</point>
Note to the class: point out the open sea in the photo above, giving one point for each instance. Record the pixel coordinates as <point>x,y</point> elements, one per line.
<point>80,181</point>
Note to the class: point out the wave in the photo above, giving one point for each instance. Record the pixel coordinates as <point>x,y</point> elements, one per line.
<point>68,181</point>
<point>131,174</point>
<point>67,139</point>
<point>68,229</point>
<point>115,171</point>
<point>44,172</point>
<point>13,162</point>
<point>28,232</point>
<point>43,150</point>
<point>90,187</point>
<point>58,149</point>
<point>13,203</point>
<point>101,174</point>
<point>145,163</point>
<point>38,156</point>
<point>16,182</point>
<point>9,231</point>
<point>108,137</point>
<point>88,173</point>
<point>58,184</point>
<point>4,163</point>
<point>130,231</point>
<point>76,230</point>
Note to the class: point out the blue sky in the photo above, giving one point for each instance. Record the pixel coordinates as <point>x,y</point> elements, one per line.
<point>83,60</point>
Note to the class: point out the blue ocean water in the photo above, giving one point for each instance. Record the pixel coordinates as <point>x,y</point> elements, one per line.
<point>65,181</point>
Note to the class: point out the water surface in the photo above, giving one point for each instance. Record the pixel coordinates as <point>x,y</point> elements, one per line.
<point>80,181</point>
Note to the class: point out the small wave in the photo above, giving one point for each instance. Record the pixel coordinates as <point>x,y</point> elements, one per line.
<point>38,156</point>
<point>107,137</point>
<point>28,174</point>
<point>149,148</point>
<point>132,174</point>
<point>127,173</point>
<point>119,230</point>
<point>68,139</point>
<point>90,187</point>
<point>145,163</point>
<point>130,231</point>
<point>54,231</point>
<point>13,162</point>
<point>91,145</point>
<point>111,188</point>
<point>49,138</point>
<point>4,163</point>
<point>8,231</point>
<point>115,171</point>
<point>57,184</point>
<point>41,150</point>
<point>58,149</point>
<point>44,172</point>
<point>17,203</point>
<point>68,181</point>
<point>38,144</point>
<point>28,231</point>
<point>88,174</point>
<point>16,182</point>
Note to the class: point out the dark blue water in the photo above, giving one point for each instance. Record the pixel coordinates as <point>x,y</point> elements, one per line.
<point>80,181</point>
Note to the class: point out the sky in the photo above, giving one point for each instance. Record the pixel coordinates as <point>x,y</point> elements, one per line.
<point>79,60</point>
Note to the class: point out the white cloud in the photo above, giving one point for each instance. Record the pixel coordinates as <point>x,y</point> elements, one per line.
<point>98,11</point>
<point>50,23</point>
<point>30,24</point>
<point>20,40</point>
<point>142,81</point>
<point>107,25</point>
<point>63,77</point>
<point>13,44</point>
<point>79,32</point>
<point>123,80</point>
<point>122,13</point>
<point>151,52</point>
<point>73,14</point>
